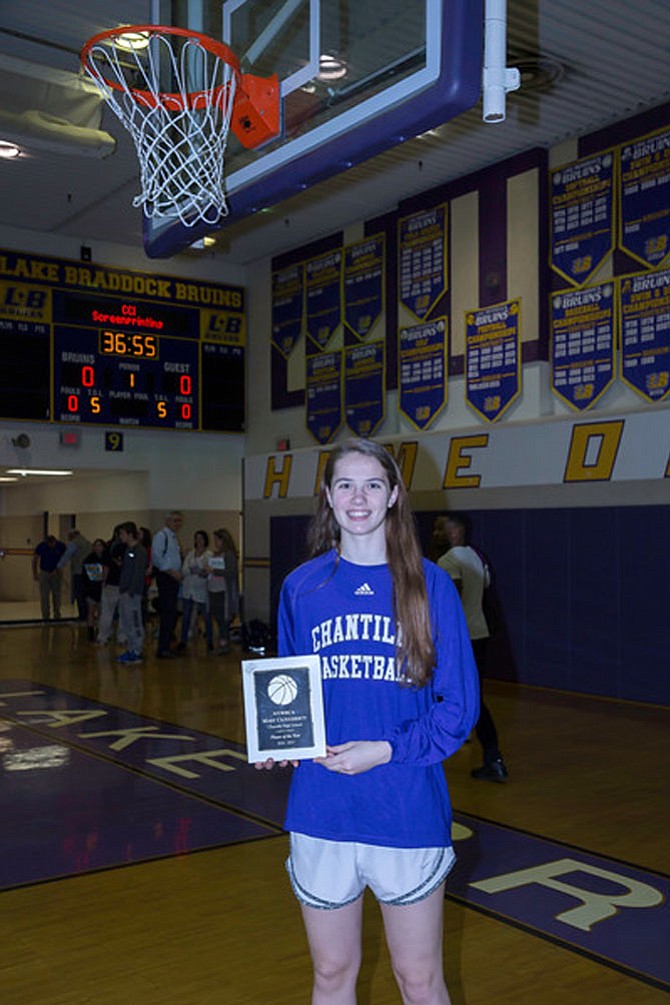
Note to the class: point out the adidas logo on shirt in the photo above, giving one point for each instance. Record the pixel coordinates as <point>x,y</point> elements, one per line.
<point>364,591</point>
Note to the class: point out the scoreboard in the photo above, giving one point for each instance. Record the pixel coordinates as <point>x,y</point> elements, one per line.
<point>93,345</point>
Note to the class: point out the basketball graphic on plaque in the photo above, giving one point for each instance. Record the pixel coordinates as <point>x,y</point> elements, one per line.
<point>283,707</point>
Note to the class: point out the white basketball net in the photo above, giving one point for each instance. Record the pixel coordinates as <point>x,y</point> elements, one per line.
<point>180,128</point>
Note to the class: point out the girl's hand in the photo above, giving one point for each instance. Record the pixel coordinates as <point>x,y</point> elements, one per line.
<point>356,757</point>
<point>270,764</point>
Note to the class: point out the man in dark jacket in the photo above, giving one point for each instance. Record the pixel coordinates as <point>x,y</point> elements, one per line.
<point>47,573</point>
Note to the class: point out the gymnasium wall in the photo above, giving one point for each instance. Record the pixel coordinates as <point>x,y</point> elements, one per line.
<point>577,607</point>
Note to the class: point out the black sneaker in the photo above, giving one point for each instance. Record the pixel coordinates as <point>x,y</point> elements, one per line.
<point>166,654</point>
<point>495,771</point>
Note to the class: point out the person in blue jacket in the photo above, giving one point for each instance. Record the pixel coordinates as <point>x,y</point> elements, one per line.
<point>400,695</point>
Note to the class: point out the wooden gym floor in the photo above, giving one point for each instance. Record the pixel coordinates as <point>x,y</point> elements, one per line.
<point>133,872</point>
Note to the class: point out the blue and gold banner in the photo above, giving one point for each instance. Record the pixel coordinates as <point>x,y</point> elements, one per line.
<point>582,217</point>
<point>422,260</point>
<point>323,281</point>
<point>645,334</point>
<point>583,344</point>
<point>364,388</point>
<point>492,358</point>
<point>423,371</point>
<point>324,395</point>
<point>288,304</point>
<point>363,284</point>
<point>645,198</point>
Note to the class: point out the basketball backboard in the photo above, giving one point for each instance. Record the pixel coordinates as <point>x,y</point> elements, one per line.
<point>356,77</point>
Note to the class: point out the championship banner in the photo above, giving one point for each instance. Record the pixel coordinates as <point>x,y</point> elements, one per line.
<point>581,215</point>
<point>363,284</point>
<point>364,387</point>
<point>324,395</point>
<point>323,279</point>
<point>493,359</point>
<point>645,198</point>
<point>422,260</point>
<point>287,308</point>
<point>582,344</point>
<point>645,334</point>
<point>422,360</point>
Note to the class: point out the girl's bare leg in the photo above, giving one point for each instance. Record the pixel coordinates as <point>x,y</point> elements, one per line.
<point>414,938</point>
<point>335,944</point>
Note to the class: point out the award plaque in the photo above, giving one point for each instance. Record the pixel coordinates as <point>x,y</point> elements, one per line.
<point>283,708</point>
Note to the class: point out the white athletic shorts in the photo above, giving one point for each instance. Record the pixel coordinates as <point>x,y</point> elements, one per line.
<point>330,874</point>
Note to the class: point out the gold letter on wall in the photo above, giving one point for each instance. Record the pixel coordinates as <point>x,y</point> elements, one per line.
<point>593,451</point>
<point>275,477</point>
<point>459,461</point>
<point>406,460</point>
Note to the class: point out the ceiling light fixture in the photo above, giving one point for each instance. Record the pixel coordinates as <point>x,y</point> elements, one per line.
<point>9,151</point>
<point>331,67</point>
<point>24,472</point>
<point>3,479</point>
<point>132,40</point>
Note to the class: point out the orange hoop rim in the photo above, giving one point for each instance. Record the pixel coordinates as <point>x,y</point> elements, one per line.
<point>219,49</point>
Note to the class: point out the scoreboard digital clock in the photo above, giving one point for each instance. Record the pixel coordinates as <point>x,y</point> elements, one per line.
<point>128,344</point>
<point>95,356</point>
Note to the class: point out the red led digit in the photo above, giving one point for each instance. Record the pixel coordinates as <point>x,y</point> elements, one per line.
<point>87,376</point>
<point>185,384</point>
<point>186,411</point>
<point>72,403</point>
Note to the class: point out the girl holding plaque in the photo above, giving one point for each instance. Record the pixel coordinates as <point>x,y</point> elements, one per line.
<point>375,811</point>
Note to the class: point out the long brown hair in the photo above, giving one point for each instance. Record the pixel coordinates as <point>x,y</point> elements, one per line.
<point>226,539</point>
<point>414,638</point>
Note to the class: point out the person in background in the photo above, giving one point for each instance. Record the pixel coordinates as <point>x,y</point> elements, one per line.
<point>375,811</point>
<point>470,572</point>
<point>167,563</point>
<point>112,561</point>
<point>194,590</point>
<point>222,585</point>
<point>78,547</point>
<point>131,591</point>
<point>145,541</point>
<point>93,570</point>
<point>47,573</point>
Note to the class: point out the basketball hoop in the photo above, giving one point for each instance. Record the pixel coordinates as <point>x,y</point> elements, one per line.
<point>178,93</point>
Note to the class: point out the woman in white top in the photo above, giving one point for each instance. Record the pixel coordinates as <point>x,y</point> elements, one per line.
<point>194,589</point>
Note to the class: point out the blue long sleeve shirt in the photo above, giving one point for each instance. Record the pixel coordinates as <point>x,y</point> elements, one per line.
<point>344,613</point>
